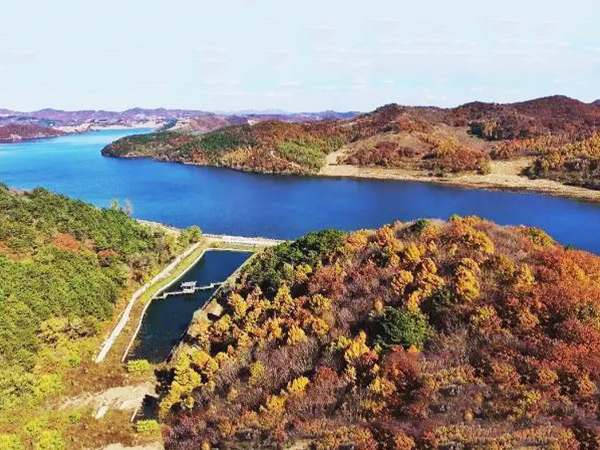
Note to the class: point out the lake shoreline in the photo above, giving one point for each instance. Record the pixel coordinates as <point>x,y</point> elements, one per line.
<point>77,130</point>
<point>491,182</point>
<point>237,203</point>
<point>469,181</point>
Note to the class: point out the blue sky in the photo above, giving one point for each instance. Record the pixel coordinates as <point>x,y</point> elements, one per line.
<point>302,55</point>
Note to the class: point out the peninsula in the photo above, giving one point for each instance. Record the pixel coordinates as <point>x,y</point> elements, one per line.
<point>548,145</point>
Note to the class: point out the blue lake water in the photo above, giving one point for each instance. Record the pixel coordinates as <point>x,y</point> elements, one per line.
<point>226,201</point>
<point>166,320</point>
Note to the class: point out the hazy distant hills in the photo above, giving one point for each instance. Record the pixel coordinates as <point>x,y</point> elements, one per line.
<point>192,120</point>
<point>549,114</point>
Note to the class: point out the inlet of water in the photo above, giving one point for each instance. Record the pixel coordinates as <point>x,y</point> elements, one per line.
<point>166,320</point>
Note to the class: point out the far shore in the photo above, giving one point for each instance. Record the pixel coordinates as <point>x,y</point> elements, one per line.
<point>79,129</point>
<point>504,176</point>
<point>85,127</point>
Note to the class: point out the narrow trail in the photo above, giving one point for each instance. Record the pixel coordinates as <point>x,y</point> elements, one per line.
<point>137,294</point>
<point>208,240</point>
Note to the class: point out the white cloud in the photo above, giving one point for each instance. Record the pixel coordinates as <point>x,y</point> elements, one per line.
<point>535,61</point>
<point>212,61</point>
<point>358,64</point>
<point>156,85</point>
<point>321,28</point>
<point>430,95</point>
<point>211,49</point>
<point>391,21</point>
<point>329,61</point>
<point>427,41</point>
<point>290,84</point>
<point>22,55</point>
<point>279,56</point>
<point>504,20</point>
<point>508,52</point>
<point>358,87</point>
<point>278,94</point>
<point>221,82</point>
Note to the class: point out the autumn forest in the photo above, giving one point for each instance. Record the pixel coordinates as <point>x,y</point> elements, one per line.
<point>424,335</point>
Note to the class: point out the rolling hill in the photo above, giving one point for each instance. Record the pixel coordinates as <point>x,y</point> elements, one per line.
<point>426,335</point>
<point>556,135</point>
<point>16,132</point>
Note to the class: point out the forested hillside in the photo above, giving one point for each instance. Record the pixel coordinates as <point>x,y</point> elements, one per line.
<point>18,132</point>
<point>557,136</point>
<point>63,265</point>
<point>271,146</point>
<point>429,335</point>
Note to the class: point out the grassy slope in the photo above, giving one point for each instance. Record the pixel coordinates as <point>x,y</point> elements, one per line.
<point>429,335</point>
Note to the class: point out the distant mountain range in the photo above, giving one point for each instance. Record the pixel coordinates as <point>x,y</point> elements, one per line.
<point>549,112</point>
<point>91,119</point>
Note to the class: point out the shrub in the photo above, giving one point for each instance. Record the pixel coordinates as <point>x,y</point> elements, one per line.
<point>10,442</point>
<point>146,426</point>
<point>74,417</point>
<point>401,327</point>
<point>50,440</point>
<point>138,366</point>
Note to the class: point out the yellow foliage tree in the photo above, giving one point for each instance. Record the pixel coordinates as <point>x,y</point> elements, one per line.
<point>411,254</point>
<point>257,372</point>
<point>356,348</point>
<point>184,382</point>
<point>239,306</point>
<point>203,363</point>
<point>273,328</point>
<point>465,279</point>
<point>319,303</point>
<point>401,281</point>
<point>283,302</point>
<point>319,327</point>
<point>524,279</point>
<point>297,386</point>
<point>295,335</point>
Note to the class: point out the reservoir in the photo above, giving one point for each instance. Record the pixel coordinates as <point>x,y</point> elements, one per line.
<point>230,202</point>
<point>166,320</point>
